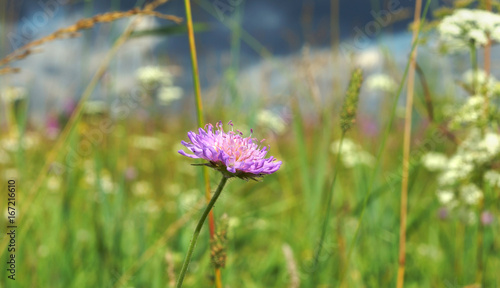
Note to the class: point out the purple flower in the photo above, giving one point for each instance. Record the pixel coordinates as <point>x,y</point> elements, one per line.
<point>443,213</point>
<point>52,127</point>
<point>486,218</point>
<point>230,153</point>
<point>130,173</point>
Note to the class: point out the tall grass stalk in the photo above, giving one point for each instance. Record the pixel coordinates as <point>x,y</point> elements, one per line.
<point>406,151</point>
<point>381,150</point>
<point>72,122</point>
<point>199,115</point>
<point>153,249</point>
<point>327,212</point>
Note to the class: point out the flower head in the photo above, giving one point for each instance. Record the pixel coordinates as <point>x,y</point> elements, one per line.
<point>467,27</point>
<point>230,153</point>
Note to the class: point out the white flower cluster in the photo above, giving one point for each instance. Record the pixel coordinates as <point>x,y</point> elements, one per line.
<point>487,82</point>
<point>470,113</point>
<point>146,142</point>
<point>12,93</point>
<point>457,172</point>
<point>274,122</point>
<point>434,161</point>
<point>381,82</point>
<point>154,78</point>
<point>492,178</point>
<point>93,107</point>
<point>168,94</point>
<point>468,26</point>
<point>352,154</point>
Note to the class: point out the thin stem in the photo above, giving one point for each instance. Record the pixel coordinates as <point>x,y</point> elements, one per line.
<point>479,243</point>
<point>198,229</point>
<point>406,154</point>
<point>473,61</point>
<point>487,61</point>
<point>200,118</point>
<point>328,208</point>
<point>379,153</point>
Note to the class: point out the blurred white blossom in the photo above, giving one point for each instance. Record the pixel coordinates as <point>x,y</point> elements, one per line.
<point>470,113</point>
<point>94,107</point>
<point>381,82</point>
<point>471,194</point>
<point>469,26</point>
<point>13,93</point>
<point>352,154</point>
<point>481,79</point>
<point>4,157</point>
<point>146,142</point>
<point>141,188</point>
<point>54,183</point>
<point>434,161</point>
<point>445,196</point>
<point>107,184</point>
<point>168,94</point>
<point>492,178</point>
<point>267,118</point>
<point>153,76</point>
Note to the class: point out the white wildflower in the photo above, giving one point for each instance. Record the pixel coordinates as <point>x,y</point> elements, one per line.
<point>146,142</point>
<point>471,112</point>
<point>12,94</point>
<point>352,154</point>
<point>10,174</point>
<point>445,196</point>
<point>429,251</point>
<point>272,121</point>
<point>54,183</point>
<point>234,222</point>
<point>189,198</point>
<point>457,169</point>
<point>434,161</point>
<point>4,157</point>
<point>471,194</point>
<point>466,26</point>
<point>151,207</point>
<point>94,107</point>
<point>107,184</point>
<point>381,82</point>
<point>153,76</point>
<point>142,188</point>
<point>492,178</point>
<point>481,80</point>
<point>168,94</point>
<point>491,143</point>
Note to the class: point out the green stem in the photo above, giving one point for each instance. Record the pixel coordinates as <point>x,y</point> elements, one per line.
<point>382,148</point>
<point>473,61</point>
<point>198,229</point>
<point>328,207</point>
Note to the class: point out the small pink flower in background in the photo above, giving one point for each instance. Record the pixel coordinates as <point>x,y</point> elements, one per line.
<point>486,218</point>
<point>69,106</point>
<point>130,173</point>
<point>443,213</point>
<point>230,153</point>
<point>52,127</point>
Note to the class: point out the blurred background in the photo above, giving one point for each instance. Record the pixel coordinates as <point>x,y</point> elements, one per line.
<point>105,200</point>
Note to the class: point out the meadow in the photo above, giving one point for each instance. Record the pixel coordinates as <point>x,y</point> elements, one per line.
<point>104,199</point>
